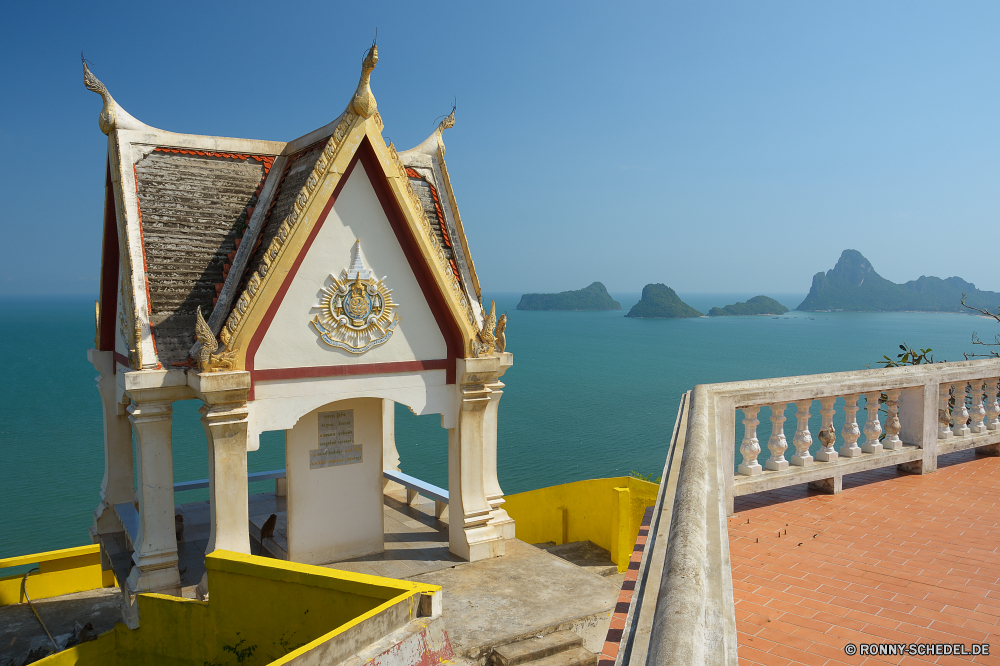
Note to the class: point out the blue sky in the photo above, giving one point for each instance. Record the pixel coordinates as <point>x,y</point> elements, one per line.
<point>712,146</point>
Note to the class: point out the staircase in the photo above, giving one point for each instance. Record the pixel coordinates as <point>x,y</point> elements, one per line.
<point>562,648</point>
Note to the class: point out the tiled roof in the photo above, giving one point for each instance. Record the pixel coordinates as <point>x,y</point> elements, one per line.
<point>297,170</point>
<point>191,204</point>
<point>431,204</point>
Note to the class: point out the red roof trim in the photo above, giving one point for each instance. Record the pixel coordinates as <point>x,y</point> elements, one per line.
<point>346,370</point>
<point>268,160</point>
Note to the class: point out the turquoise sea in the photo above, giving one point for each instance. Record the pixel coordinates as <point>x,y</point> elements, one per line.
<point>590,394</point>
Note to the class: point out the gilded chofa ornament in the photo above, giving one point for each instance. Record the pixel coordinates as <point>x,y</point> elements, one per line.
<point>208,360</point>
<point>356,311</point>
<point>483,343</point>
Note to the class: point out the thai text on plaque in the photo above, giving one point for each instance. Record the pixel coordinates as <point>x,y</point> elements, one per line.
<point>336,441</point>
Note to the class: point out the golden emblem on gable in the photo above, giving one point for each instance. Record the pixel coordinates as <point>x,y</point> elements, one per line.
<point>356,311</point>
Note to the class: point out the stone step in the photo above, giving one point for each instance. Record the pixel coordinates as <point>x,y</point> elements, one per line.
<point>578,656</point>
<point>535,648</point>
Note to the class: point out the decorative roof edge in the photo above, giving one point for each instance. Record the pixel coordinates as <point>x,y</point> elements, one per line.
<point>113,116</point>
<point>434,144</point>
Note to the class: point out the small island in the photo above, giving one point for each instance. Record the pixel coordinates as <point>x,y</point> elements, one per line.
<point>758,305</point>
<point>854,286</point>
<point>594,297</point>
<point>661,302</point>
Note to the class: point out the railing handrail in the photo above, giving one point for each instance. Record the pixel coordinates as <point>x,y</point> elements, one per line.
<point>251,477</point>
<point>824,385</point>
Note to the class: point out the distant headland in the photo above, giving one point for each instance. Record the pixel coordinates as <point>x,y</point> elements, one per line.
<point>594,297</point>
<point>660,301</point>
<point>758,305</point>
<point>854,286</point>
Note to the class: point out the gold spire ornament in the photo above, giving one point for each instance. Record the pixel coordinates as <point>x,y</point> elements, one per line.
<point>208,360</point>
<point>357,312</point>
<point>113,116</point>
<point>363,103</point>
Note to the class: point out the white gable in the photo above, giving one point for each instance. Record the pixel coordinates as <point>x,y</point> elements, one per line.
<point>292,342</point>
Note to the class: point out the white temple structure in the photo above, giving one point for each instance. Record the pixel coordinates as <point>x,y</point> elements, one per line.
<point>302,286</point>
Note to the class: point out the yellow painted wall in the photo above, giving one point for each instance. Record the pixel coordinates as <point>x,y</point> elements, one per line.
<point>60,572</point>
<point>607,512</point>
<point>281,608</point>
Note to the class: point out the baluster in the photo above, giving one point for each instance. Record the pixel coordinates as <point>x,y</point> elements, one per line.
<point>777,444</point>
<point>959,413</point>
<point>827,435</point>
<point>944,420</point>
<point>750,447</point>
<point>892,442</point>
<point>992,406</point>
<point>872,426</point>
<point>802,439</point>
<point>978,412</point>
<point>850,431</point>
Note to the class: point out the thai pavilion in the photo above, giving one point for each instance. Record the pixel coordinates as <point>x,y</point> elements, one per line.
<point>302,286</point>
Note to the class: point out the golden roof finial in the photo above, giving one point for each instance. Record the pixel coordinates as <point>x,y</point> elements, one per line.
<point>112,115</point>
<point>363,103</point>
<point>434,144</point>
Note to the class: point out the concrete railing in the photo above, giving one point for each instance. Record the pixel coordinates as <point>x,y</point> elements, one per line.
<point>682,610</point>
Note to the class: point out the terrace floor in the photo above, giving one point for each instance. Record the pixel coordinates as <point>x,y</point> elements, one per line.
<point>895,558</point>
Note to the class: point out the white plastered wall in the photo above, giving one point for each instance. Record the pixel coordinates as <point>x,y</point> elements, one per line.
<point>335,513</point>
<point>292,342</point>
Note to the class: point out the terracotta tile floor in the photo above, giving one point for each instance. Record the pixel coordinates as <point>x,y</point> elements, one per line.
<point>895,558</point>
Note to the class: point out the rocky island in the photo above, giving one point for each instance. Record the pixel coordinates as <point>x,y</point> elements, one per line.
<point>854,286</point>
<point>662,302</point>
<point>758,305</point>
<point>594,297</point>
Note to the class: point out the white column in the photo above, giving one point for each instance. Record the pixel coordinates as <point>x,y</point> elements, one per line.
<point>155,555</point>
<point>978,413</point>
<point>777,443</point>
<point>827,435</point>
<point>892,442</point>
<point>959,413</point>
<point>944,418</point>
<point>390,455</point>
<point>470,535</point>
<point>117,486</point>
<point>802,439</point>
<point>750,447</point>
<point>873,429</point>
<point>502,522</point>
<point>992,407</point>
<point>850,431</point>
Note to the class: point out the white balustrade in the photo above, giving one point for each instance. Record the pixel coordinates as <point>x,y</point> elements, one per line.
<point>850,431</point>
<point>827,433</point>
<point>873,429</point>
<point>959,413</point>
<point>944,418</point>
<point>892,442</point>
<point>802,439</point>
<point>750,447</point>
<point>777,444</point>
<point>992,406</point>
<point>978,412</point>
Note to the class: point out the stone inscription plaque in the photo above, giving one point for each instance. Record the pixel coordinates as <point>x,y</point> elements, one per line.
<point>336,441</point>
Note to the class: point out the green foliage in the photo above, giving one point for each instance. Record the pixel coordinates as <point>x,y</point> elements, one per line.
<point>594,297</point>
<point>644,477</point>
<point>853,285</point>
<point>660,301</point>
<point>758,305</point>
<point>909,356</point>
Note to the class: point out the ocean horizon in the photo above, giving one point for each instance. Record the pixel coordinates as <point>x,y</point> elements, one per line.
<point>590,394</point>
